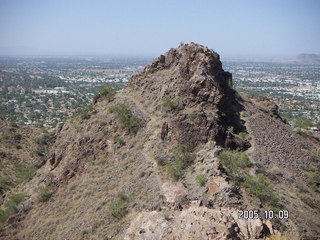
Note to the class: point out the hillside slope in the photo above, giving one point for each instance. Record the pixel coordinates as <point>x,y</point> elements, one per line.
<point>147,163</point>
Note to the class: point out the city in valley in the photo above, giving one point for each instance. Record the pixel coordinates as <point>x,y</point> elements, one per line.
<point>46,91</point>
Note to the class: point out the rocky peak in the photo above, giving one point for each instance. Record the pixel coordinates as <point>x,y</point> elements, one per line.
<point>191,77</point>
<point>191,70</point>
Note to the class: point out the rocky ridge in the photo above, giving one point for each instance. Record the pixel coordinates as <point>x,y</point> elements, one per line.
<point>184,98</point>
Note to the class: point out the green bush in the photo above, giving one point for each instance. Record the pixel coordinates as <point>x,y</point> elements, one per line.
<point>118,209</point>
<point>233,161</point>
<point>43,139</point>
<point>202,179</point>
<point>10,206</point>
<point>181,160</point>
<point>122,196</point>
<point>169,103</point>
<point>44,193</point>
<point>175,170</point>
<point>182,154</point>
<point>119,140</point>
<point>127,120</point>
<point>259,187</point>
<point>106,92</point>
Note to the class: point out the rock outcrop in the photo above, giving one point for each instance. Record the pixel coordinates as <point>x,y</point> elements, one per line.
<point>191,76</point>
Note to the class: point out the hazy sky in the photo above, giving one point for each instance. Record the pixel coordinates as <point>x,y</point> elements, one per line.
<point>150,27</point>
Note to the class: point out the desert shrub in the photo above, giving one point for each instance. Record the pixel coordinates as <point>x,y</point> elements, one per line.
<point>45,192</point>
<point>17,146</point>
<point>314,180</point>
<point>182,154</point>
<point>202,179</point>
<point>42,140</point>
<point>175,170</point>
<point>182,158</point>
<point>233,161</point>
<point>122,196</point>
<point>127,120</point>
<point>169,103</point>
<point>119,140</point>
<point>24,173</point>
<point>10,206</point>
<point>118,207</point>
<point>312,168</point>
<point>106,92</point>
<point>259,187</point>
<point>5,183</point>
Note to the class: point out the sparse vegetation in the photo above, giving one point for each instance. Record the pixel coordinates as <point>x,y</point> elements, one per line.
<point>127,120</point>
<point>85,112</point>
<point>106,92</point>
<point>233,161</point>
<point>44,193</point>
<point>182,159</point>
<point>10,207</point>
<point>170,103</point>
<point>5,183</point>
<point>314,180</point>
<point>24,173</point>
<point>102,160</point>
<point>313,176</point>
<point>119,140</point>
<point>43,139</point>
<point>123,197</point>
<point>313,203</point>
<point>202,179</point>
<point>175,170</point>
<point>259,187</point>
<point>118,207</point>
<point>17,146</point>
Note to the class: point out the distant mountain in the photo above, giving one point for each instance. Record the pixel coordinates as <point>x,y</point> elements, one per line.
<point>305,58</point>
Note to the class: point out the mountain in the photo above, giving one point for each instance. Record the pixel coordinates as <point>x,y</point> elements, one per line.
<point>305,58</point>
<point>176,154</point>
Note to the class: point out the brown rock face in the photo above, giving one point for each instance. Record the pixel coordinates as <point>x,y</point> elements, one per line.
<point>191,76</point>
<point>191,70</point>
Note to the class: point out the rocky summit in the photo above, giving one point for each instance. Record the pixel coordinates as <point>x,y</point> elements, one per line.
<point>176,154</point>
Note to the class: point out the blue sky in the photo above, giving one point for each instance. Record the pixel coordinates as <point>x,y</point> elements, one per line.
<point>234,28</point>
